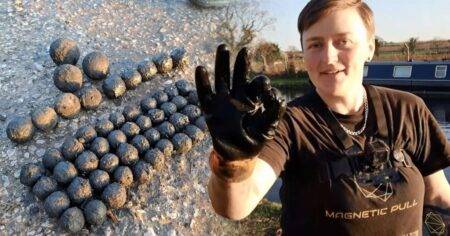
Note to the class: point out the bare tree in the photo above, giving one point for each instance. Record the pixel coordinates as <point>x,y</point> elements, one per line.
<point>412,44</point>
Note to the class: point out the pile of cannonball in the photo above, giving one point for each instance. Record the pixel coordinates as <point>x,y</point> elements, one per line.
<point>92,170</point>
<point>68,78</point>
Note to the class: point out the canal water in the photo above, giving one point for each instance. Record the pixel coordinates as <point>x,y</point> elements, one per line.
<point>438,106</point>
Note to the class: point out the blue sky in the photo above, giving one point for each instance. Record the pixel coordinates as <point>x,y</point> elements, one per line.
<point>395,20</point>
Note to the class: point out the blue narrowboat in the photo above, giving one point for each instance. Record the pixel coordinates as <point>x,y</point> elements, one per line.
<point>415,76</point>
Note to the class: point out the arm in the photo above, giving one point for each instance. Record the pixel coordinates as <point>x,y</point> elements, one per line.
<point>437,190</point>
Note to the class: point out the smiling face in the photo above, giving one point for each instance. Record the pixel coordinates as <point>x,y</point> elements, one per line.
<point>335,49</point>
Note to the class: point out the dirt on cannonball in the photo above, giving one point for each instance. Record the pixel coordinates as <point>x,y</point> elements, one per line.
<point>114,87</point>
<point>117,118</point>
<point>95,212</point>
<point>142,172</point>
<point>130,129</point>
<point>156,115</point>
<point>20,129</point>
<point>30,174</point>
<point>195,133</point>
<point>179,101</point>
<point>140,143</point>
<point>72,220</point>
<point>160,97</point>
<point>96,65</point>
<point>90,97</point>
<point>44,187</point>
<point>104,127</point>
<point>132,78</point>
<point>131,112</point>
<point>79,190</point>
<point>115,138</point>
<point>67,105</point>
<point>192,112</point>
<point>109,162</point>
<point>148,103</point>
<point>147,69</point>
<point>71,148</point>
<point>156,158</point>
<point>114,195</point>
<point>152,135</point>
<point>64,172</point>
<point>64,51</point>
<point>68,78</point>
<point>100,146</point>
<point>163,63</point>
<point>168,108</point>
<point>99,179</point>
<point>86,162</point>
<point>56,203</point>
<point>127,153</point>
<point>179,58</point>
<point>86,134</point>
<point>124,176</point>
<point>45,118</point>
<point>166,130</point>
<point>165,146</point>
<point>181,143</point>
<point>144,122</point>
<point>51,157</point>
<point>179,121</point>
<point>184,87</point>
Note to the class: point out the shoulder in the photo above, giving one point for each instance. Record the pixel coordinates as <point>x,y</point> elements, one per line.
<point>398,99</point>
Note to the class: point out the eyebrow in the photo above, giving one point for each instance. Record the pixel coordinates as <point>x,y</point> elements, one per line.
<point>316,38</point>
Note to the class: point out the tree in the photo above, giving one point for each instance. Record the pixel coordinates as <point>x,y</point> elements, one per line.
<point>241,22</point>
<point>379,42</point>
<point>412,43</point>
<point>292,48</point>
<point>268,53</point>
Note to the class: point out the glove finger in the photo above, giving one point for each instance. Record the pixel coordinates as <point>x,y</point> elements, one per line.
<point>222,70</point>
<point>204,90</point>
<point>240,73</point>
<point>257,87</point>
<point>274,109</point>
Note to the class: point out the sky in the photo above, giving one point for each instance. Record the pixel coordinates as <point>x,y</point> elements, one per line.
<point>395,20</point>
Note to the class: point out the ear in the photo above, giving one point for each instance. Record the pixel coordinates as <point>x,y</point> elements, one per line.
<point>371,47</point>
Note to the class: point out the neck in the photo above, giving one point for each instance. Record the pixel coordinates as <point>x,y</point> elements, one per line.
<point>346,104</point>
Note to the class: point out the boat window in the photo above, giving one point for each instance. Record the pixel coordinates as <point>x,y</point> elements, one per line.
<point>402,71</point>
<point>366,70</point>
<point>440,72</point>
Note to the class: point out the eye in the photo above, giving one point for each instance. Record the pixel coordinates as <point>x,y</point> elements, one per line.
<point>314,45</point>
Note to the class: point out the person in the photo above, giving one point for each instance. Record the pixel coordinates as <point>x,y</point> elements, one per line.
<point>354,159</point>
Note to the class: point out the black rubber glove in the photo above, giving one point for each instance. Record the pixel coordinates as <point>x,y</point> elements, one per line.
<point>242,117</point>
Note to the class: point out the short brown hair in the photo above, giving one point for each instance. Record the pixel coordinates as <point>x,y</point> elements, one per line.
<point>316,9</point>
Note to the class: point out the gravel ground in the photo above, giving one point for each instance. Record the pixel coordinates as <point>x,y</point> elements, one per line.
<point>176,201</point>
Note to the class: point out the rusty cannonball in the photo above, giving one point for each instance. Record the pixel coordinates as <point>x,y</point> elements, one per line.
<point>127,153</point>
<point>114,195</point>
<point>147,69</point>
<point>117,118</point>
<point>124,176</point>
<point>166,130</point>
<point>64,51</point>
<point>96,65</point>
<point>86,134</point>
<point>71,148</point>
<point>184,87</point>
<point>100,146</point>
<point>86,162</point>
<point>90,97</point>
<point>56,203</point>
<point>79,190</point>
<point>179,58</point>
<point>68,78</point>
<point>132,78</point>
<point>30,174</point>
<point>156,116</point>
<point>152,135</point>
<point>64,172</point>
<point>109,162</point>
<point>168,108</point>
<point>140,143</point>
<point>67,105</point>
<point>51,157</point>
<point>179,101</point>
<point>193,98</point>
<point>144,122</point>
<point>95,212</point>
<point>201,123</point>
<point>160,96</point>
<point>99,179</point>
<point>165,146</point>
<point>115,138</point>
<point>114,87</point>
<point>192,112</point>
<point>130,129</point>
<point>179,121</point>
<point>148,103</point>
<point>20,129</point>
<point>44,187</point>
<point>156,158</point>
<point>72,220</point>
<point>142,172</point>
<point>163,63</point>
<point>131,112</point>
<point>171,90</point>
<point>104,127</point>
<point>195,133</point>
<point>181,143</point>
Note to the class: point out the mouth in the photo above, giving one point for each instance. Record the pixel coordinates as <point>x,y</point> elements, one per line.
<point>333,72</point>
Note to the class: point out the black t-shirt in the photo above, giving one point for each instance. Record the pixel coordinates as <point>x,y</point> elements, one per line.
<point>344,205</point>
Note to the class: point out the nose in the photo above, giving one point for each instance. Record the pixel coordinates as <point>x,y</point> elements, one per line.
<point>330,54</point>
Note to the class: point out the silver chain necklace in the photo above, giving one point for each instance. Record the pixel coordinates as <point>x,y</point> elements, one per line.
<point>366,115</point>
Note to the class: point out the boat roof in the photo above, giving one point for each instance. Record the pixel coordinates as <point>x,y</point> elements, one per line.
<point>442,62</point>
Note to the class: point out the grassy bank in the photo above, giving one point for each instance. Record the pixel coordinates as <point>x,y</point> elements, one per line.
<point>264,220</point>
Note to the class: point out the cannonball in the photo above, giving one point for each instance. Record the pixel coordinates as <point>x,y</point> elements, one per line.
<point>30,173</point>
<point>99,179</point>
<point>179,121</point>
<point>44,187</point>
<point>144,122</point>
<point>130,129</point>
<point>140,143</point>
<point>86,134</point>
<point>79,190</point>
<point>156,158</point>
<point>95,212</point>
<point>64,172</point>
<point>184,87</point>
<point>72,220</point>
<point>124,176</point>
<point>109,162</point>
<point>201,123</point>
<point>181,143</point>
<point>114,195</point>
<point>160,97</point>
<point>179,101</point>
<point>64,51</point>
<point>165,146</point>
<point>166,130</point>
<point>71,148</point>
<point>156,115</point>
<point>90,97</point>
<point>104,127</point>
<point>51,157</point>
<point>67,105</point>
<point>132,78</point>
<point>131,112</point>
<point>20,129</point>
<point>56,203</point>
<point>152,135</point>
<point>45,119</point>
<point>192,112</point>
<point>115,138</point>
<point>117,118</point>
<point>68,78</point>
<point>163,63</point>
<point>114,87</point>
<point>100,146</point>
<point>127,153</point>
<point>195,133</point>
<point>179,58</point>
<point>86,162</point>
<point>142,172</point>
<point>147,69</point>
<point>193,98</point>
<point>168,108</point>
<point>171,91</point>
<point>148,103</point>
<point>96,65</point>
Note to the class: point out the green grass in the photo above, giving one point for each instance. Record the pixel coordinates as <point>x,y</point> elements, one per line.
<point>264,220</point>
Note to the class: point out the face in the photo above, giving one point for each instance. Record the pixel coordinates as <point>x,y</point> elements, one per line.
<point>335,49</point>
